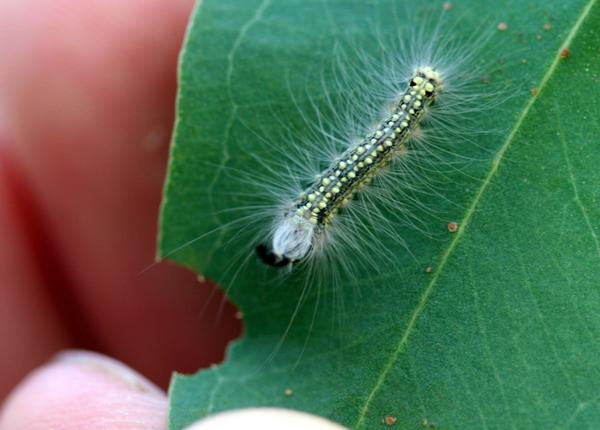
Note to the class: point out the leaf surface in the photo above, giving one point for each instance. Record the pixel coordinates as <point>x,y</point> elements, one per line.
<point>505,330</point>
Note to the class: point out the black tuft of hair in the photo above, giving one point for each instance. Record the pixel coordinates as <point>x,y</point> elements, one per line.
<point>271,259</point>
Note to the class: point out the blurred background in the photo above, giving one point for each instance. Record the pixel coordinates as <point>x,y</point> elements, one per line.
<point>87,92</point>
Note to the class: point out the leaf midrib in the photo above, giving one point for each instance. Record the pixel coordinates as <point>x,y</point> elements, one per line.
<point>468,216</point>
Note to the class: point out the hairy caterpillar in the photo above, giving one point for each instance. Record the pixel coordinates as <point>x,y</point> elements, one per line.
<point>302,229</point>
<point>334,151</point>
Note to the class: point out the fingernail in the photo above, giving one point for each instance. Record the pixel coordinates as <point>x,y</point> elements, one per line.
<point>108,366</point>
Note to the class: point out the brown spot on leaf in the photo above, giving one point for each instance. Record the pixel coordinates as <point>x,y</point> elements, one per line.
<point>390,420</point>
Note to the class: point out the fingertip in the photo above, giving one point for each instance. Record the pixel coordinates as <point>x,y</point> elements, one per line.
<point>265,419</point>
<point>84,390</point>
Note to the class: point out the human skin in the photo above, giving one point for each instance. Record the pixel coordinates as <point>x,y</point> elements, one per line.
<point>87,95</point>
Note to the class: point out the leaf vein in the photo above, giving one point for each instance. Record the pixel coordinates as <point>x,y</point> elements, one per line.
<point>576,195</point>
<point>467,218</point>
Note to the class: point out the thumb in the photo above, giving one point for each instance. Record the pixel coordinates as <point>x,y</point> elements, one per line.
<point>84,390</point>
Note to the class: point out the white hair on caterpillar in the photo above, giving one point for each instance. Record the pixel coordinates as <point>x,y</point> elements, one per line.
<point>330,194</point>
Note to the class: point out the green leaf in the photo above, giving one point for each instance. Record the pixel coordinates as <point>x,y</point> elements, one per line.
<point>505,331</point>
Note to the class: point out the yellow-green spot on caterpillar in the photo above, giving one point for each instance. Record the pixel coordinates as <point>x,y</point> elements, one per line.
<point>298,231</point>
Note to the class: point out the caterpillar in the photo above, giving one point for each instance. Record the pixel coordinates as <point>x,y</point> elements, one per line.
<point>302,229</point>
